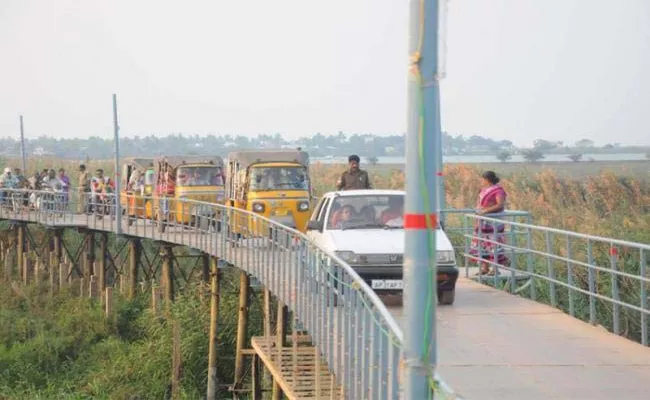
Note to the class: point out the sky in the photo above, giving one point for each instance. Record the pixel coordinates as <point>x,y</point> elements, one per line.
<point>515,69</point>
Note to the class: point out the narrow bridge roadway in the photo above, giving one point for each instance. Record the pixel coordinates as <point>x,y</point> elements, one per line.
<point>493,345</point>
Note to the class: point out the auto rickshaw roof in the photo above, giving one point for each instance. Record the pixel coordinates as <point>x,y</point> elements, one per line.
<point>250,157</point>
<point>177,161</point>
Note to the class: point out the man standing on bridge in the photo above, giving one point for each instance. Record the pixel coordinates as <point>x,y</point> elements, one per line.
<point>84,190</point>
<point>355,177</point>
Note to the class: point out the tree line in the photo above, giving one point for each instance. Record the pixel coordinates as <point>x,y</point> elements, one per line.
<point>318,145</point>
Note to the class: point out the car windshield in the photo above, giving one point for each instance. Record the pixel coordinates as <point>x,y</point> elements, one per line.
<point>200,176</point>
<point>367,212</point>
<point>149,177</point>
<point>279,178</point>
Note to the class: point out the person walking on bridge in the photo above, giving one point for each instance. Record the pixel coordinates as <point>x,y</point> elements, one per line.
<point>83,188</point>
<point>354,177</point>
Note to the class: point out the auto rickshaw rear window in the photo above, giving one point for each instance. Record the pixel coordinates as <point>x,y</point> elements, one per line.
<point>200,176</point>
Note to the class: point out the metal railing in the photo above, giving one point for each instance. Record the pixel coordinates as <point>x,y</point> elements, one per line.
<point>600,280</point>
<point>456,229</point>
<point>353,330</point>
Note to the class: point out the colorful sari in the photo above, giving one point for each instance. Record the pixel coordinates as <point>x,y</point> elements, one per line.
<point>488,235</point>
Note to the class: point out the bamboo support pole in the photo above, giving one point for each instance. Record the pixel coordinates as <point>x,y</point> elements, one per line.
<point>242,327</point>
<point>214,321</point>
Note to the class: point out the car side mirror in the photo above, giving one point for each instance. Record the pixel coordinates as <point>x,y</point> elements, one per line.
<point>315,226</point>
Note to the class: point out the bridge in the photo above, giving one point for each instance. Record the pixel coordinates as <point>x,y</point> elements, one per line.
<point>568,318</point>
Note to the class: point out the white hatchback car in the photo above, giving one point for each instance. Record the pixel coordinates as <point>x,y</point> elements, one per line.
<point>365,228</point>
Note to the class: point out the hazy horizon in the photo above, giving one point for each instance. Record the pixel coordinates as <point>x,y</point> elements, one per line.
<point>516,69</point>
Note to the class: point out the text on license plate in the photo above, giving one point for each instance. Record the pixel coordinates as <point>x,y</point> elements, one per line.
<point>387,284</point>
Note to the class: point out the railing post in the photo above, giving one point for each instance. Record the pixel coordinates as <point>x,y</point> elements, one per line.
<point>613,261</point>
<point>468,242</point>
<point>569,272</point>
<point>513,257</point>
<point>530,266</point>
<point>644,298</point>
<point>366,342</point>
<point>550,270</point>
<point>592,283</point>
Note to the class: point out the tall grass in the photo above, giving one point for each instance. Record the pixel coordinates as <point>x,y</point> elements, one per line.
<point>62,346</point>
<point>603,204</point>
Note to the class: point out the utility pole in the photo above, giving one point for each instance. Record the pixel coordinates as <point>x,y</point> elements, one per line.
<point>22,147</point>
<point>118,205</point>
<point>420,219</point>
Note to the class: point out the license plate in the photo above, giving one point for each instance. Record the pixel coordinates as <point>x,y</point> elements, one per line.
<point>281,213</point>
<point>387,284</point>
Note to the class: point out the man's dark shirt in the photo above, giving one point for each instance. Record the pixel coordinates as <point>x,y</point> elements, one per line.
<point>351,180</point>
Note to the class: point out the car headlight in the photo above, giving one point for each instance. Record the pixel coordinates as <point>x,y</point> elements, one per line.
<point>445,256</point>
<point>303,206</point>
<point>348,256</point>
<point>258,207</point>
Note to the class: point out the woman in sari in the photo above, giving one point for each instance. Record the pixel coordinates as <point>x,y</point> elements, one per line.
<point>489,235</point>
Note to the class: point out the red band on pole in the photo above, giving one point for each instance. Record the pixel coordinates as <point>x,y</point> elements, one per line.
<point>439,173</point>
<point>418,221</point>
<point>613,251</point>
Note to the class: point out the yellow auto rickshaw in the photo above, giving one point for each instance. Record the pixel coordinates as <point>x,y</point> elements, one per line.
<point>133,196</point>
<point>181,179</point>
<point>271,183</point>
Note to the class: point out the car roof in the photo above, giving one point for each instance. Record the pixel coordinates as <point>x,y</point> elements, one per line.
<point>365,192</point>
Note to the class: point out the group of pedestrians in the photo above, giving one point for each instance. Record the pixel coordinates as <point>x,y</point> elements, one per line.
<point>46,180</point>
<point>51,189</point>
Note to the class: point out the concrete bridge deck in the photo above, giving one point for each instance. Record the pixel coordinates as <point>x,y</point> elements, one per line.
<point>493,345</point>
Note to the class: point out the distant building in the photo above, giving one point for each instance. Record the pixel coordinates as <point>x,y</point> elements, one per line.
<point>39,151</point>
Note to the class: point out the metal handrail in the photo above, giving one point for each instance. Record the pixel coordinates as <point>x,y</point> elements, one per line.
<point>550,258</point>
<point>349,324</point>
